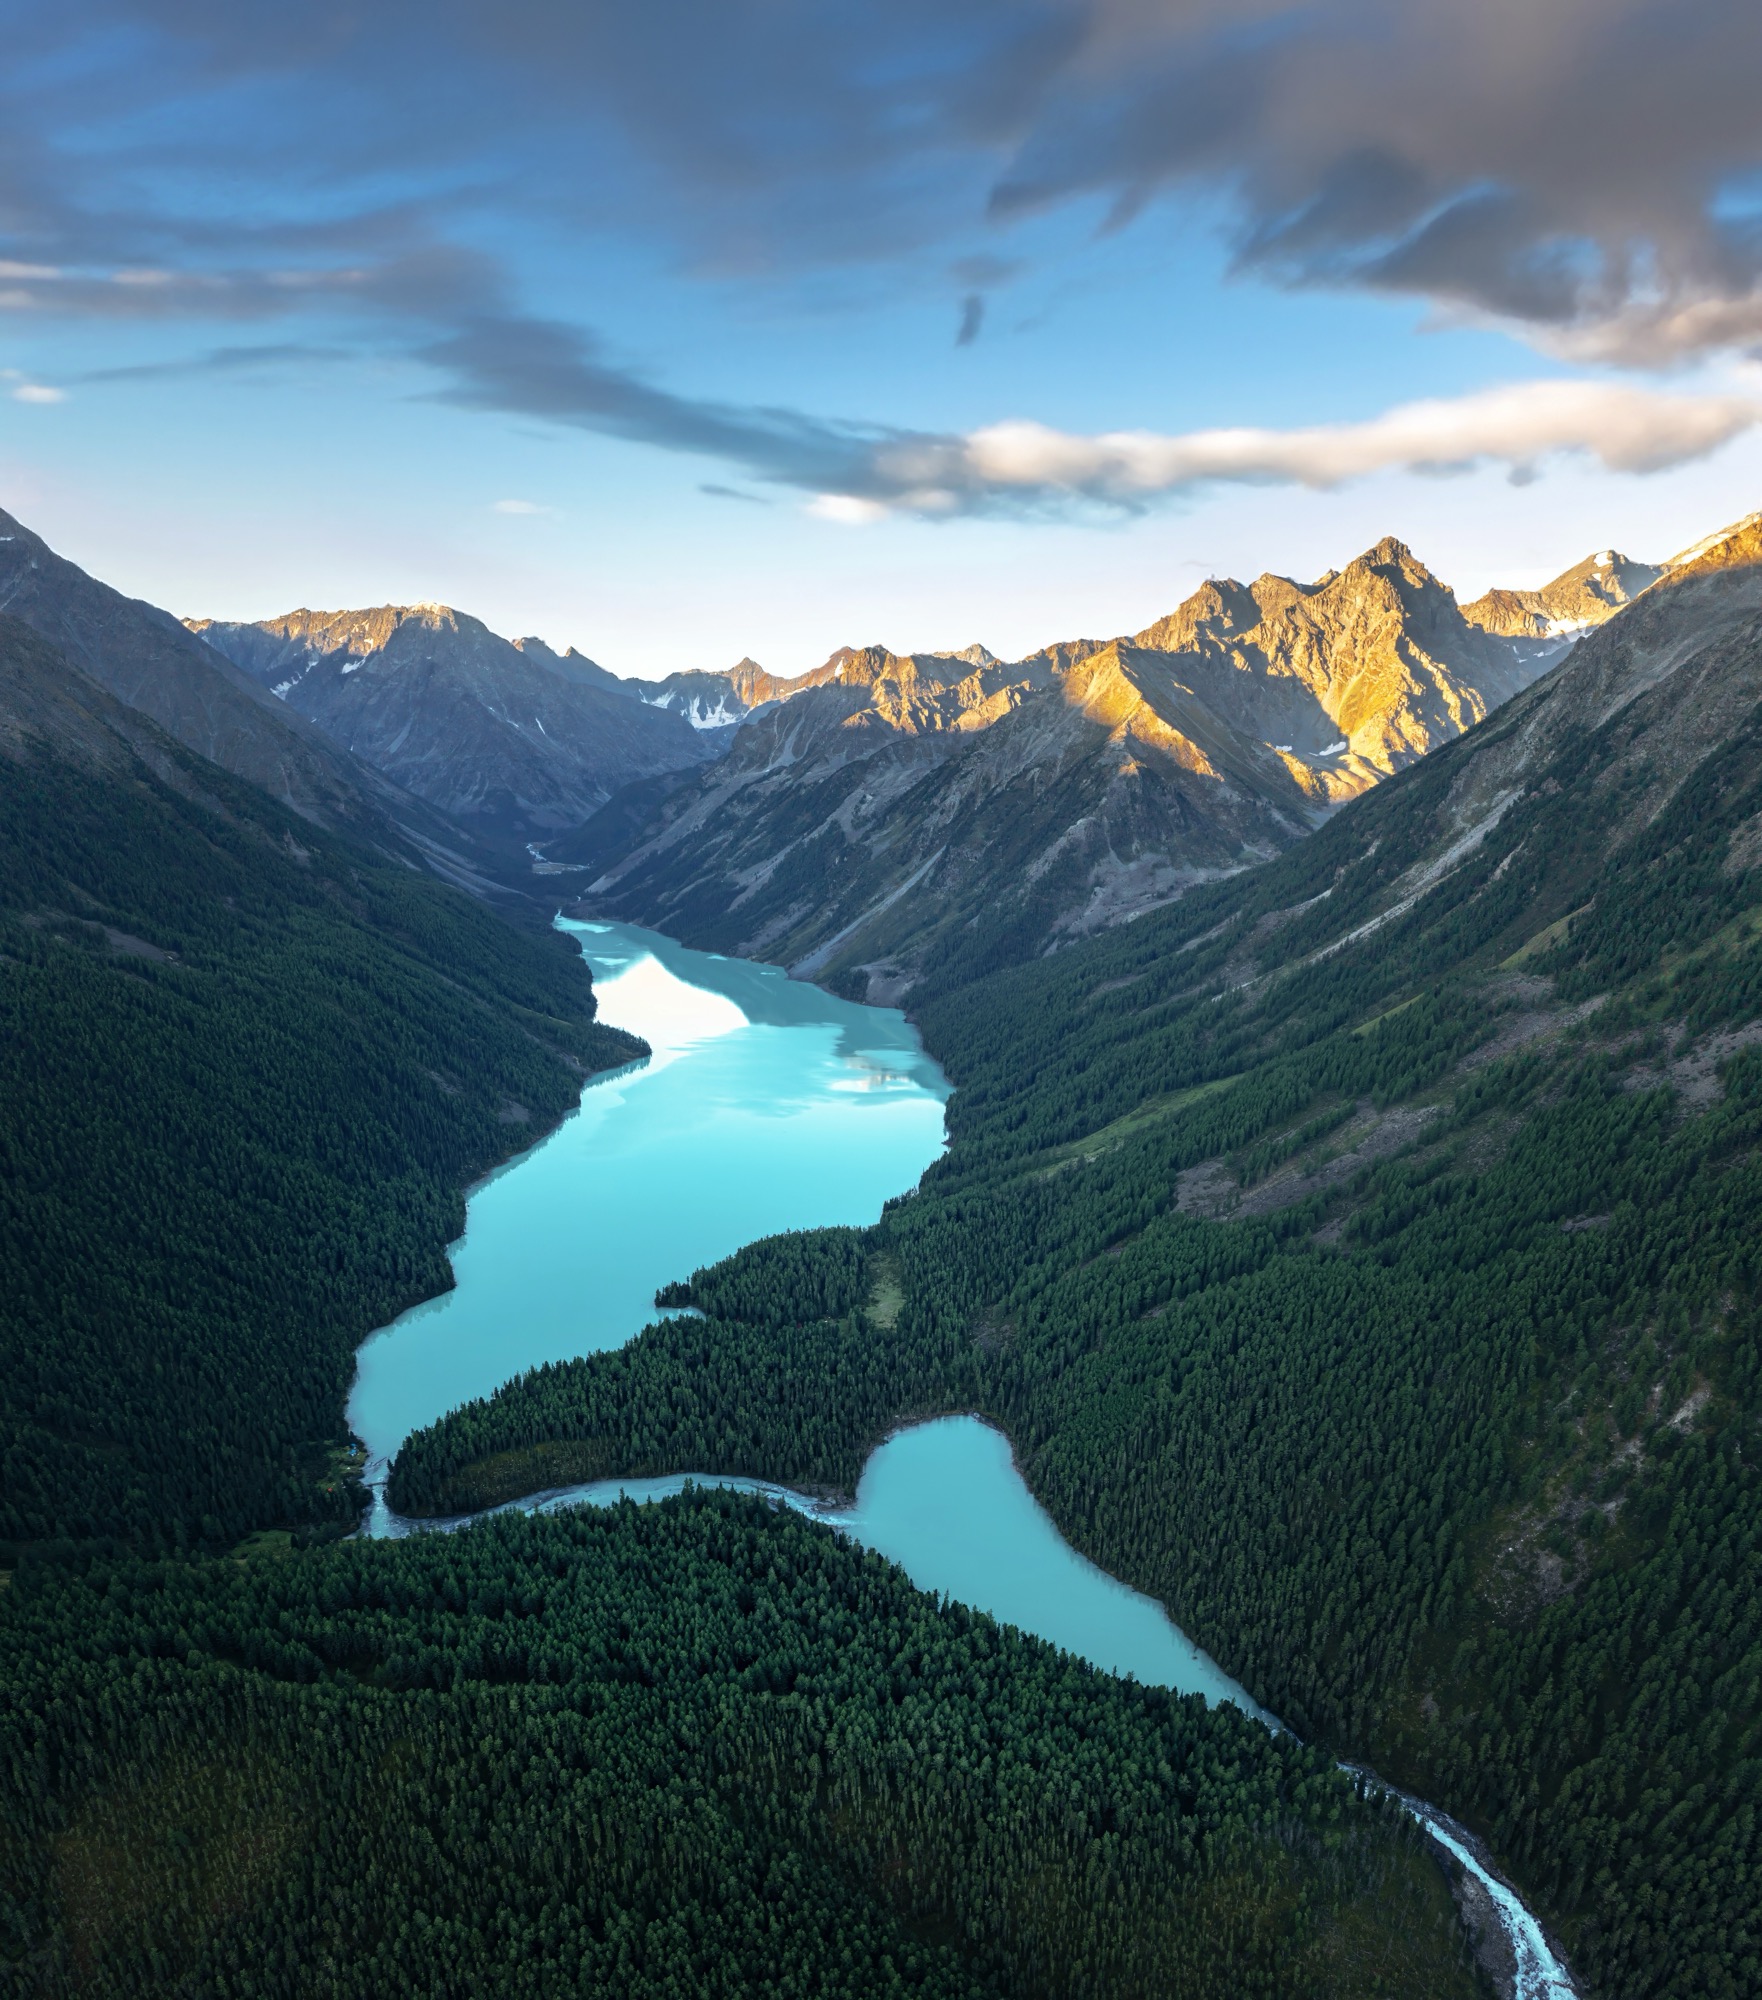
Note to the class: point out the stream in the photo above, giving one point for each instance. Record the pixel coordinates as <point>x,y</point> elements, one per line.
<point>770,1105</point>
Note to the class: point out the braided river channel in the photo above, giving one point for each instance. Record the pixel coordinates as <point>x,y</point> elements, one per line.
<point>770,1105</point>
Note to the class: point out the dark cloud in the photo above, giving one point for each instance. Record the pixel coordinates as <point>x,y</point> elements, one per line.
<point>985,272</point>
<point>1567,167</point>
<point>1575,168</point>
<point>972,319</point>
<point>541,368</point>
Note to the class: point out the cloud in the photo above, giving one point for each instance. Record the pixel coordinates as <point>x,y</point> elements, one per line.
<point>543,368</point>
<point>1586,172</point>
<point>38,392</point>
<point>1577,171</point>
<point>1583,170</point>
<point>858,473</point>
<point>1625,429</point>
<point>847,509</point>
<point>518,507</point>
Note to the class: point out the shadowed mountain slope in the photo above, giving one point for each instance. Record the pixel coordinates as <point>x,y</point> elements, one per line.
<point>512,741</point>
<point>144,657</point>
<point>161,671</point>
<point>246,1067</point>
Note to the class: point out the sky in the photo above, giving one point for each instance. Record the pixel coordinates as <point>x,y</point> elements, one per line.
<point>713,328</point>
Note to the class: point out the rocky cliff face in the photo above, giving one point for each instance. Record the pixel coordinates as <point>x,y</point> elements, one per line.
<point>1376,658</point>
<point>1548,828</point>
<point>512,741</point>
<point>888,810</point>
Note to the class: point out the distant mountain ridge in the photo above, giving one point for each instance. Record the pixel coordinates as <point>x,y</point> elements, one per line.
<point>1581,598</point>
<point>872,814</point>
<point>1084,783</point>
<point>513,741</point>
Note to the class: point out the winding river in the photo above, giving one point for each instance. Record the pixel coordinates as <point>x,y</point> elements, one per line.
<point>770,1105</point>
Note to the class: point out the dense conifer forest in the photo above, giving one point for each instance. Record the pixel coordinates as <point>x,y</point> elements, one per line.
<point>246,1071</point>
<point>1377,1287</point>
<point>697,1749</point>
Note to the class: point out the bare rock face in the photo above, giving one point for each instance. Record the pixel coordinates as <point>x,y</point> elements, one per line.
<point>512,741</point>
<point>886,810</point>
<point>1376,656</point>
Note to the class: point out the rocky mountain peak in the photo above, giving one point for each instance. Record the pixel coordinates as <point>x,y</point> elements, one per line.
<point>1576,601</point>
<point>1390,552</point>
<point>1218,610</point>
<point>1727,548</point>
<point>511,740</point>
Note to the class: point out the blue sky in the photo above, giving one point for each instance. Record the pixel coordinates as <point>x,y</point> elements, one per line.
<point>763,327</point>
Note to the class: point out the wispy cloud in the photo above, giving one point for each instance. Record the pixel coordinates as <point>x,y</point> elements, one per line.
<point>38,392</point>
<point>220,361</point>
<point>859,473</point>
<point>1625,429</point>
<point>518,507</point>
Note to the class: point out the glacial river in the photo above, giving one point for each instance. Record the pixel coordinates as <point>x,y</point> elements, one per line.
<point>768,1105</point>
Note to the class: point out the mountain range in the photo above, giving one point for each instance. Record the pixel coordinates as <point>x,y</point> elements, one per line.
<point>887,813</point>
<point>867,821</point>
<point>512,741</point>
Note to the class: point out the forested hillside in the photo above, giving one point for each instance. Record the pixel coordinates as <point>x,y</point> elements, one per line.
<point>1363,1257</point>
<point>698,1749</point>
<point>246,1070</point>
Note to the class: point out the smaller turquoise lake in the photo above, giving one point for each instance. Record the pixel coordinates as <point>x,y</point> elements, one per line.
<point>944,1500</point>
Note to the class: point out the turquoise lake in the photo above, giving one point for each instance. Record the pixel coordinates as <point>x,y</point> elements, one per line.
<point>767,1105</point>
